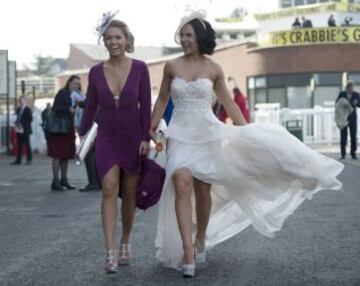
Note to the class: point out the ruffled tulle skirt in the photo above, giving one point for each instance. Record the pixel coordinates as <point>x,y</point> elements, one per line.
<point>259,175</point>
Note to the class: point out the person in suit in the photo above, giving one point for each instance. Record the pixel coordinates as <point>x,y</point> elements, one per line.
<point>354,99</point>
<point>23,131</point>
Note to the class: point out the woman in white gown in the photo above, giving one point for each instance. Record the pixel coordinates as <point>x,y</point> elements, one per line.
<point>222,178</point>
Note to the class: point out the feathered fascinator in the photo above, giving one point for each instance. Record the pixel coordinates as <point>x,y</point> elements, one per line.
<point>104,24</point>
<point>189,16</point>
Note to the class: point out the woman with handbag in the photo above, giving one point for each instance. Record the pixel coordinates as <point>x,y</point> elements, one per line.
<point>62,134</point>
<point>119,94</point>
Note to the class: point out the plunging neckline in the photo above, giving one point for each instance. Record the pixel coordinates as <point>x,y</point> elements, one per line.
<point>123,88</point>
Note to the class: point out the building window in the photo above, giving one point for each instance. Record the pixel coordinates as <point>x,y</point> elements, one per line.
<point>289,80</point>
<point>260,96</point>
<point>299,97</point>
<point>251,83</point>
<point>251,98</point>
<point>299,2</point>
<point>355,77</point>
<point>277,95</point>
<point>325,95</point>
<point>323,1</point>
<point>260,82</point>
<point>311,1</point>
<point>286,3</point>
<point>328,79</point>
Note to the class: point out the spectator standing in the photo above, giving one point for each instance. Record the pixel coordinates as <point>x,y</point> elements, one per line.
<point>331,21</point>
<point>306,23</point>
<point>296,24</point>
<point>240,101</point>
<point>62,146</point>
<point>23,131</point>
<point>354,99</point>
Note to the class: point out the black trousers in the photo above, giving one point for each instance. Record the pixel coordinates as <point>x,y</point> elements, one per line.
<point>23,139</point>
<point>90,166</point>
<point>344,134</point>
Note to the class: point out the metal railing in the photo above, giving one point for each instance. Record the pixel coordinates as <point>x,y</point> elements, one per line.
<point>317,124</point>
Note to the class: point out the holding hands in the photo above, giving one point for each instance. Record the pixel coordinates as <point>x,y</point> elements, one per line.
<point>144,148</point>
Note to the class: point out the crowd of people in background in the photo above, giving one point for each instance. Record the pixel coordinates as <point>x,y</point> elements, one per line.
<point>66,112</point>
<point>69,104</point>
<point>307,23</point>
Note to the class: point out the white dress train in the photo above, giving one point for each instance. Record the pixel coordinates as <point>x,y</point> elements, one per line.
<point>259,173</point>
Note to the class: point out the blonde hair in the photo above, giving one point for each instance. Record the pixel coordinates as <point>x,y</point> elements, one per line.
<point>125,29</point>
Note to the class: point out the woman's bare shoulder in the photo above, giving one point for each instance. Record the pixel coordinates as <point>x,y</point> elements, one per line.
<point>171,66</point>
<point>214,68</point>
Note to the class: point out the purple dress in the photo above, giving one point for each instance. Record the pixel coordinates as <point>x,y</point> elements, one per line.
<point>122,128</point>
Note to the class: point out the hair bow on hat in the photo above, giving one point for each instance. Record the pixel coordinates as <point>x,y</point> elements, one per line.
<point>190,15</point>
<point>105,21</point>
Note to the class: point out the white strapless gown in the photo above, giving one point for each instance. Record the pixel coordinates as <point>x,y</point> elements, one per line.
<point>259,173</point>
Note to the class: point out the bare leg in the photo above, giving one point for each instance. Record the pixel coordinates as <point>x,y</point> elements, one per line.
<point>128,208</point>
<point>183,187</point>
<point>203,208</point>
<point>110,191</point>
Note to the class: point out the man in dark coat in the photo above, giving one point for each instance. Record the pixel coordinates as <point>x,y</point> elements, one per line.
<point>306,23</point>
<point>354,99</point>
<point>23,131</point>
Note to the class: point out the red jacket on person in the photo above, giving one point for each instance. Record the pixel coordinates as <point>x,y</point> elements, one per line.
<point>243,104</point>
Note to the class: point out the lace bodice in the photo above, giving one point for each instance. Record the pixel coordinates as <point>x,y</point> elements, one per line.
<point>193,119</point>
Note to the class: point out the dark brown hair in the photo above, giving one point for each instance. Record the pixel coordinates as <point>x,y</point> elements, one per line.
<point>205,36</point>
<point>71,79</point>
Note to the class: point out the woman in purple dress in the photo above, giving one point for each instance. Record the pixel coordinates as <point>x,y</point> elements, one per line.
<point>119,88</point>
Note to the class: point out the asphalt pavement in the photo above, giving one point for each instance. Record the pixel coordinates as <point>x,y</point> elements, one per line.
<point>55,238</point>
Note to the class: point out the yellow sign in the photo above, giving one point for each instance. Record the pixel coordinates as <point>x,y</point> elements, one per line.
<point>298,37</point>
<point>309,9</point>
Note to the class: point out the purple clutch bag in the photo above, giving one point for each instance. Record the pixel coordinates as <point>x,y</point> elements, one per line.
<point>151,181</point>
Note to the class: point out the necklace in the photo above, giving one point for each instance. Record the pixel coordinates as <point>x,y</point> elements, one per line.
<point>116,97</point>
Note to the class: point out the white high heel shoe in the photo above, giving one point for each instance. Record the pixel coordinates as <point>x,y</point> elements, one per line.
<point>200,254</point>
<point>188,270</point>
